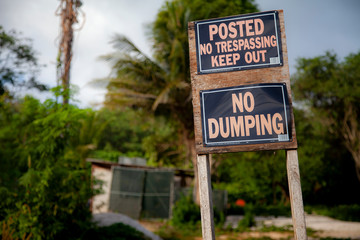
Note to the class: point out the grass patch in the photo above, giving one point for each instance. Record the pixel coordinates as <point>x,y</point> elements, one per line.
<point>272,228</point>
<point>170,232</point>
<point>260,238</point>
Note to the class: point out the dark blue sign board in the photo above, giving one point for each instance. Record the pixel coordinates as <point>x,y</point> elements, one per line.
<point>238,43</point>
<point>250,114</point>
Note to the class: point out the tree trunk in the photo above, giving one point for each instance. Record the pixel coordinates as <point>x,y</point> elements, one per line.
<point>68,13</point>
<point>351,134</point>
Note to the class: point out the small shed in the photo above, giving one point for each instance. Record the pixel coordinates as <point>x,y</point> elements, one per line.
<point>136,190</point>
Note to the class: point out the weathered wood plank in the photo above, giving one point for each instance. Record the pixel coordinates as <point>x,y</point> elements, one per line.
<point>206,206</point>
<point>297,207</point>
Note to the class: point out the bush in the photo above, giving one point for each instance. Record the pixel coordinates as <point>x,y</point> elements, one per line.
<point>272,210</point>
<point>219,217</point>
<point>186,214</point>
<point>262,210</point>
<point>46,181</point>
<point>249,220</point>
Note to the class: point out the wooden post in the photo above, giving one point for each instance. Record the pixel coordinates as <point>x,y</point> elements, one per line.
<point>206,206</point>
<point>297,206</point>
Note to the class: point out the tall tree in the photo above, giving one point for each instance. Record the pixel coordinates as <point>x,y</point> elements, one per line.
<point>162,83</point>
<point>18,62</point>
<point>330,90</point>
<point>68,10</point>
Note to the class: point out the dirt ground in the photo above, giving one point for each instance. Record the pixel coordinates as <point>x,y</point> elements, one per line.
<point>324,227</point>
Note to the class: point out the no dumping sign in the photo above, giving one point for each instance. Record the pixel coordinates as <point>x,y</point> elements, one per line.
<point>250,114</point>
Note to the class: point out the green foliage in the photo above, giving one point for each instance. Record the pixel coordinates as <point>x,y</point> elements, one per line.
<point>328,129</point>
<point>272,210</point>
<point>249,219</point>
<point>341,212</point>
<point>106,154</point>
<point>46,180</point>
<point>18,62</point>
<point>258,177</point>
<point>130,132</point>
<point>168,232</point>
<point>6,201</point>
<point>161,146</point>
<point>246,223</point>
<point>312,160</point>
<point>123,132</point>
<point>324,82</point>
<point>329,90</point>
<point>219,218</point>
<point>262,210</point>
<point>186,214</point>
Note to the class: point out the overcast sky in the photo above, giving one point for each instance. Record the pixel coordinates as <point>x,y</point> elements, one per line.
<point>312,27</point>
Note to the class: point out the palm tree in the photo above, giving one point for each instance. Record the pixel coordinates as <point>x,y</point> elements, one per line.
<point>162,84</point>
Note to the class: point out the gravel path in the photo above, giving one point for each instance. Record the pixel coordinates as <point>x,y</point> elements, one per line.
<point>325,226</point>
<point>107,219</point>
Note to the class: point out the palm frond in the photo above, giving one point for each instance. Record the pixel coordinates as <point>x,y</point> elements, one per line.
<point>123,44</point>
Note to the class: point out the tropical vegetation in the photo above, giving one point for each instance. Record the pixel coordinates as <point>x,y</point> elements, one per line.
<point>45,181</point>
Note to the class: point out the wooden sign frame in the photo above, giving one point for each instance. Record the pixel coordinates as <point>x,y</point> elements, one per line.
<point>200,82</point>
<point>223,79</point>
